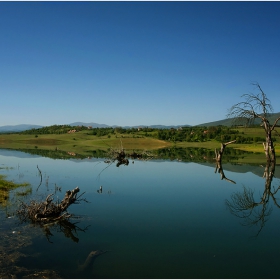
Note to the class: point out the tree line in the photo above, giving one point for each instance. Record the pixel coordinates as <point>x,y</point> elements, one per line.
<point>189,134</point>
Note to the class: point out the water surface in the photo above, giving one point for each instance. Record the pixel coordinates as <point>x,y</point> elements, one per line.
<point>156,219</point>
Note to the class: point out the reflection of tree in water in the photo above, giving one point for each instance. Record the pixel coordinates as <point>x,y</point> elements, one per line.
<point>49,214</point>
<point>59,154</point>
<point>255,213</point>
<point>197,154</point>
<point>218,157</point>
<point>173,153</point>
<point>220,170</point>
<point>70,230</point>
<point>121,157</point>
<point>40,215</point>
<point>13,243</point>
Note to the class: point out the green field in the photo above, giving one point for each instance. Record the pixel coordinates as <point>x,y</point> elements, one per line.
<point>84,143</point>
<point>79,142</point>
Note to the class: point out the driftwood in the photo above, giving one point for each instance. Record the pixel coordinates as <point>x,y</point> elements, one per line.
<point>48,211</point>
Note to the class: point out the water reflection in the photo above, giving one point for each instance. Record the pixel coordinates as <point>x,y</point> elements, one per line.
<point>163,219</point>
<point>174,153</point>
<point>69,229</point>
<point>49,215</point>
<point>255,212</point>
<point>198,154</point>
<point>219,169</point>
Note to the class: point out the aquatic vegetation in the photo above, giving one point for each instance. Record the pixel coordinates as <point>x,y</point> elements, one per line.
<point>6,187</point>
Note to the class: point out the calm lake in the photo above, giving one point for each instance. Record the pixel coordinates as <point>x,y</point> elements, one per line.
<point>156,219</point>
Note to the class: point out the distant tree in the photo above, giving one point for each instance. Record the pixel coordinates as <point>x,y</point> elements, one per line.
<point>256,106</point>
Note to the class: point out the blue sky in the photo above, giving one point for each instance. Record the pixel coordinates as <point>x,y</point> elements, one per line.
<point>135,63</point>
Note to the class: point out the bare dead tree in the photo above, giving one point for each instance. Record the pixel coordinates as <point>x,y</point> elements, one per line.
<point>256,106</point>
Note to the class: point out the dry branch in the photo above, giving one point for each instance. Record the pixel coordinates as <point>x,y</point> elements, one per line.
<point>219,154</point>
<point>47,211</point>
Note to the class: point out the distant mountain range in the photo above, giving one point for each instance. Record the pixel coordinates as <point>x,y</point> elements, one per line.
<point>23,127</point>
<point>94,125</point>
<point>225,122</point>
<point>18,128</point>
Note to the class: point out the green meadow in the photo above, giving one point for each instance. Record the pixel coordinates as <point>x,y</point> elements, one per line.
<point>83,142</point>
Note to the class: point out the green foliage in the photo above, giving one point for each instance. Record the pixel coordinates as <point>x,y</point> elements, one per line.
<point>197,154</point>
<point>54,129</point>
<point>189,134</point>
<point>58,154</point>
<point>198,134</point>
<point>9,185</point>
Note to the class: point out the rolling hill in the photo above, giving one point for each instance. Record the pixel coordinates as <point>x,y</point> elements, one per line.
<point>229,121</point>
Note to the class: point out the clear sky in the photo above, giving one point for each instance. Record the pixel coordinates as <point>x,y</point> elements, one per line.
<point>135,63</point>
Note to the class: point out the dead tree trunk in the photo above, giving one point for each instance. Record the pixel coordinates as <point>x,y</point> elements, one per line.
<point>219,154</point>
<point>269,145</point>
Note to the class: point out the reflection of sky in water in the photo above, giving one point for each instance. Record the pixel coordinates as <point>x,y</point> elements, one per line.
<point>155,218</point>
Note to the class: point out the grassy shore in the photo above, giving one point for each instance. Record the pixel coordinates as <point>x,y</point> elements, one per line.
<point>82,142</point>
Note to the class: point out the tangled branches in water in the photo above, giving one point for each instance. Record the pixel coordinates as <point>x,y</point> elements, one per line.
<point>48,211</point>
<point>121,157</point>
<point>117,155</point>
